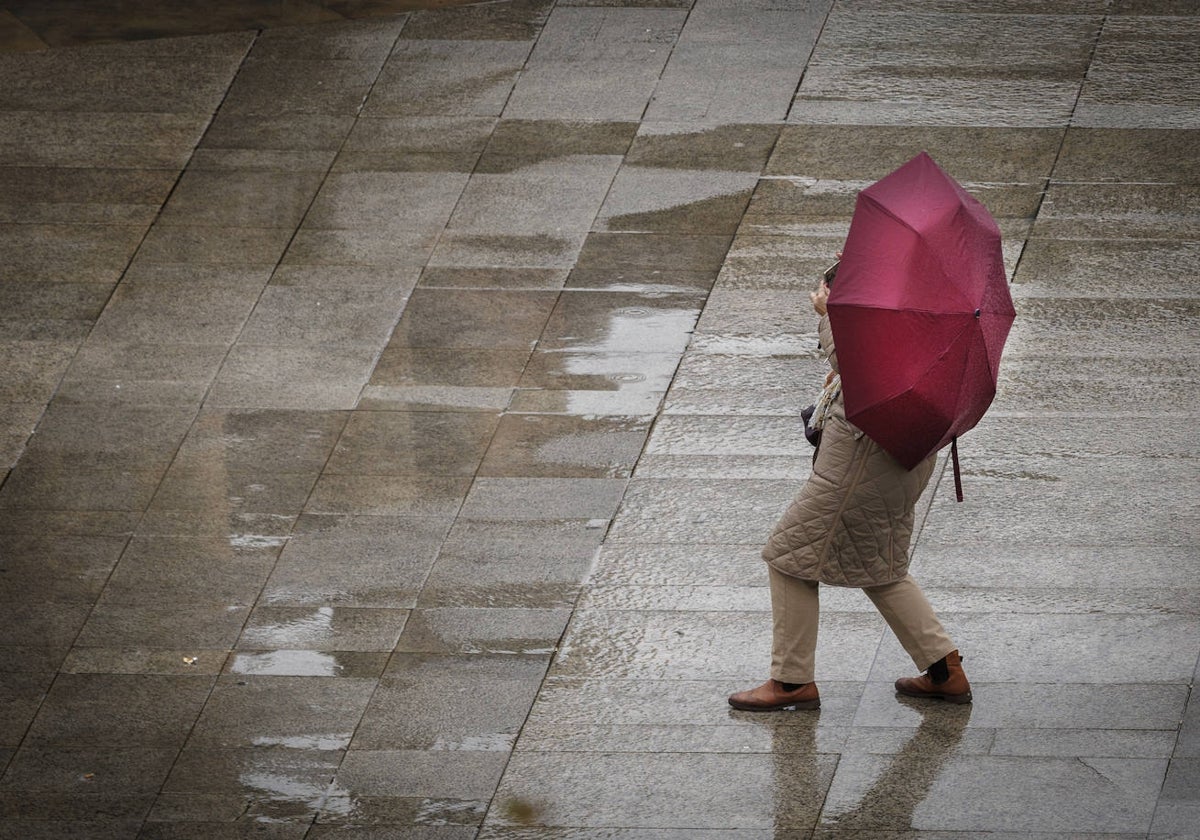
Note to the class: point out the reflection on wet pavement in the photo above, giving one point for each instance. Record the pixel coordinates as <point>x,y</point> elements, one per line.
<point>906,781</point>
<point>397,393</point>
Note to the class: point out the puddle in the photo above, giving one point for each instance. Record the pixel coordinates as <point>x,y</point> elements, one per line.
<point>281,786</point>
<point>330,741</point>
<point>636,329</point>
<point>316,624</point>
<point>291,663</point>
<point>449,812</point>
<point>256,541</point>
<point>483,743</point>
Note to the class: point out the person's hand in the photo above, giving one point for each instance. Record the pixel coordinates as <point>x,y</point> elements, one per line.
<point>819,298</point>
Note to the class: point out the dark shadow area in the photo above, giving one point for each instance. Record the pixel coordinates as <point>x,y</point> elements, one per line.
<point>27,25</point>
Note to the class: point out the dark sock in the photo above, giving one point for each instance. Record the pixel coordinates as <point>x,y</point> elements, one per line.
<point>939,671</point>
<point>790,686</point>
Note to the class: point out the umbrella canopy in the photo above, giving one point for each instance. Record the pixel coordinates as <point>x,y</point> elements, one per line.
<point>920,311</point>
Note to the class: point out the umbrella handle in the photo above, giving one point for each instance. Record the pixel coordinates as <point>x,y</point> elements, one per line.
<point>957,474</point>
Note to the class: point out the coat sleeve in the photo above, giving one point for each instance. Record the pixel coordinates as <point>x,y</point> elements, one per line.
<point>825,331</point>
<point>827,347</point>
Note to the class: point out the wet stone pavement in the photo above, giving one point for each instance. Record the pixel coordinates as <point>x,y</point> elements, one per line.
<point>394,405</point>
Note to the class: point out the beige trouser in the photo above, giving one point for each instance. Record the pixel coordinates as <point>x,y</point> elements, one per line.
<point>795,609</point>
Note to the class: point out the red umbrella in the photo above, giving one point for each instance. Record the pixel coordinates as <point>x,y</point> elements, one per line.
<point>920,311</point>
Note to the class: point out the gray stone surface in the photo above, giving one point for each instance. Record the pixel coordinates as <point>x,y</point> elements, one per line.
<point>393,405</point>
<point>879,65</point>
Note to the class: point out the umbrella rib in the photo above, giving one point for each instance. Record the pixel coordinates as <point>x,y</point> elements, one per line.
<point>905,222</point>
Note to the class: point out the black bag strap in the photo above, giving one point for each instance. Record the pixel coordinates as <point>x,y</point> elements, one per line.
<point>957,473</point>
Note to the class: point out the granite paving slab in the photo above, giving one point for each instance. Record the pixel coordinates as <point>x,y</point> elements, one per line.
<point>550,446</point>
<point>406,250</point>
<point>385,560</point>
<point>219,247</point>
<point>584,90</point>
<point>61,567</point>
<point>412,443</point>
<point>187,367</point>
<point>385,201</point>
<point>36,488</point>
<point>119,711</point>
<point>932,67</point>
<point>1119,211</point>
<point>615,322</point>
<point>506,631</point>
<point>600,791</point>
<point>405,711</point>
<point>1050,795</point>
<point>1122,154</point>
<point>447,77</point>
<point>295,712</point>
<point>512,564</point>
<point>709,70</point>
<point>35,370</point>
<point>1099,269</point>
<point>194,314</point>
<point>117,625</point>
<point>517,21</point>
<point>188,570</point>
<point>67,22</point>
<point>438,497</point>
<point>322,628</point>
<point>348,40</point>
<point>25,304</point>
<point>190,76</point>
<point>1135,80</point>
<point>291,377</point>
<point>548,196</point>
<point>443,144</point>
<point>62,194</point>
<point>868,152</point>
<point>684,200</point>
<point>72,253</point>
<point>517,143</point>
<point>237,777</point>
<point>106,140</point>
<point>301,86</point>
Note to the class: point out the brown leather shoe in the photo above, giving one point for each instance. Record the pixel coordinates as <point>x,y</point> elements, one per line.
<point>954,689</point>
<point>770,697</point>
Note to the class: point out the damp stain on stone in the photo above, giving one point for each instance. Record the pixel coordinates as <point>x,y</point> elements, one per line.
<point>716,214</point>
<point>517,144</point>
<point>521,810</point>
<point>730,147</point>
<point>511,20</point>
<point>535,250</point>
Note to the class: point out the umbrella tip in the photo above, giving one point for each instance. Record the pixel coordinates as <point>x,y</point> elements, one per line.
<point>976,313</point>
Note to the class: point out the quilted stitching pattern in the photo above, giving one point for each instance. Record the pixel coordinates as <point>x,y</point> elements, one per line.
<point>852,522</point>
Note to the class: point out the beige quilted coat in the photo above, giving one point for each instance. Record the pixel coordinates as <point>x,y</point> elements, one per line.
<point>853,519</point>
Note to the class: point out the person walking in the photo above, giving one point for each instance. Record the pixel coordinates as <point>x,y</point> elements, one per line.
<point>850,525</point>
